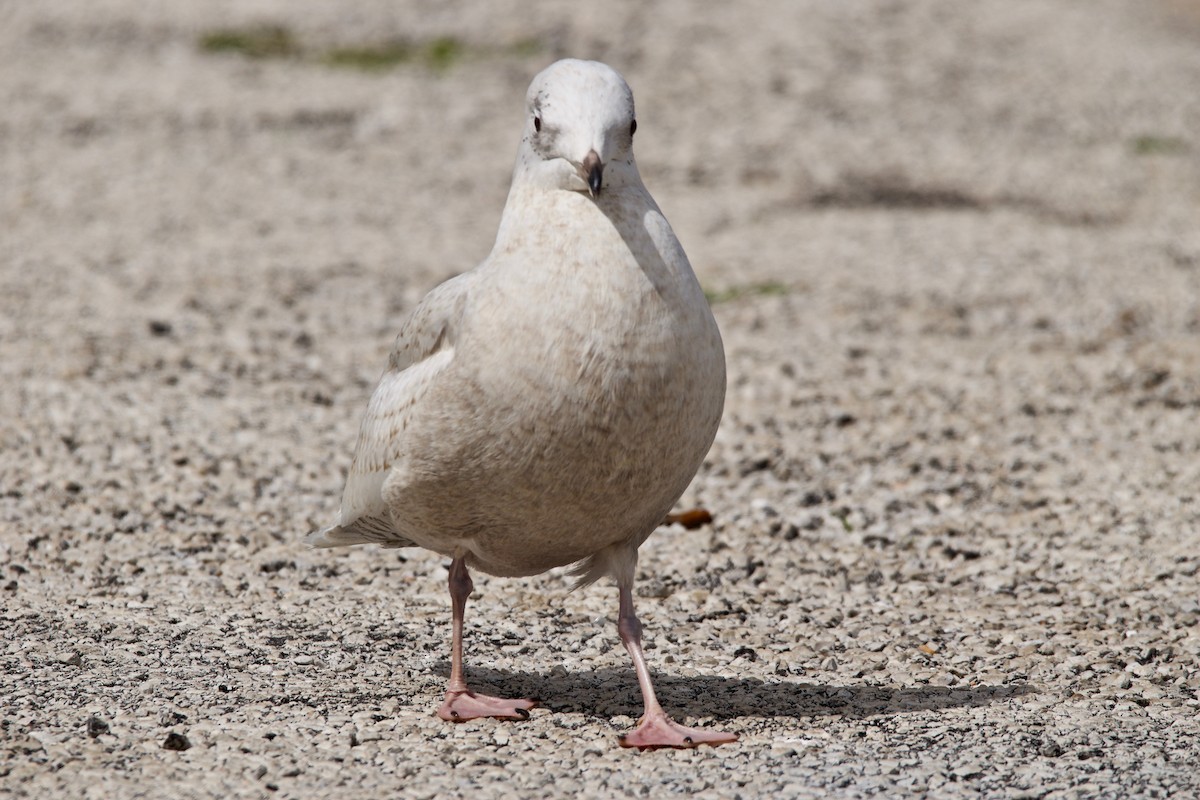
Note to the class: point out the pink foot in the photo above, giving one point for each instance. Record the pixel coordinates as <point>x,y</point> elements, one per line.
<point>462,706</point>
<point>662,731</point>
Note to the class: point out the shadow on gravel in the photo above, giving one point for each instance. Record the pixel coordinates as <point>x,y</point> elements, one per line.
<point>612,691</point>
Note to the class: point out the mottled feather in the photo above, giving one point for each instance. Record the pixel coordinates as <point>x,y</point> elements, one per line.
<point>549,407</point>
<point>423,349</point>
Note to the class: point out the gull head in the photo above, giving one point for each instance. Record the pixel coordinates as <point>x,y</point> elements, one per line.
<point>579,127</point>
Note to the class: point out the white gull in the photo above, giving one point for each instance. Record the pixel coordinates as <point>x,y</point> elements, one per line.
<point>550,406</point>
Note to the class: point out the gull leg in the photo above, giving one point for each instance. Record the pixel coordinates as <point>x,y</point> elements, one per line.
<point>461,703</point>
<point>655,729</point>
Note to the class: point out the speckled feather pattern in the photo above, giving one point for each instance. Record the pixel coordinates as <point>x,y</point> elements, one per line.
<point>551,405</point>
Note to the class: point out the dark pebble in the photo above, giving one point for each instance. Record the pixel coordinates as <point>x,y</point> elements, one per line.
<point>176,741</point>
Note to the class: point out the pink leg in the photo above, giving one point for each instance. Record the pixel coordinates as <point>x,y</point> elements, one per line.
<point>655,729</point>
<point>461,703</point>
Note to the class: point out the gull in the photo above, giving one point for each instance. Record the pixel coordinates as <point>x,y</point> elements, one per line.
<point>550,406</point>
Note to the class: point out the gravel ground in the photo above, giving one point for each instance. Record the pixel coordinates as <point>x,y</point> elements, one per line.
<point>955,252</point>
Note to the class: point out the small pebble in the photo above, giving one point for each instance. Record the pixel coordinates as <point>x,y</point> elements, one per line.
<point>96,727</point>
<point>176,741</point>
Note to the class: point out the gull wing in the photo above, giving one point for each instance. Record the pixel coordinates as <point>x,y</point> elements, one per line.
<point>423,350</point>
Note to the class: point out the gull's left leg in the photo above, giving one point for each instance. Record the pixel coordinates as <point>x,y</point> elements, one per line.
<point>655,729</point>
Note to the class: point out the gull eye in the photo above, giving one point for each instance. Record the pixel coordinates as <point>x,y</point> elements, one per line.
<point>537,124</point>
<point>633,127</point>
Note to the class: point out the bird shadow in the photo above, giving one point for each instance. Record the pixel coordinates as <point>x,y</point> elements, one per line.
<point>611,691</point>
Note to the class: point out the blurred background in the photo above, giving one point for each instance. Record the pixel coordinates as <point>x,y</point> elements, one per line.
<point>954,249</point>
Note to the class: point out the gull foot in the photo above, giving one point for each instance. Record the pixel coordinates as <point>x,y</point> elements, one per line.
<point>662,731</point>
<point>462,706</point>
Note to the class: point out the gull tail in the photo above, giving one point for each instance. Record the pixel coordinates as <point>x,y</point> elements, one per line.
<point>364,530</point>
<point>618,561</point>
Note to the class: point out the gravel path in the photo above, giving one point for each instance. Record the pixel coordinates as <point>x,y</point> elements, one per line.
<point>955,253</point>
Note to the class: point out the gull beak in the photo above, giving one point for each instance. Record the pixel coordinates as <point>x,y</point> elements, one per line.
<point>592,172</point>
